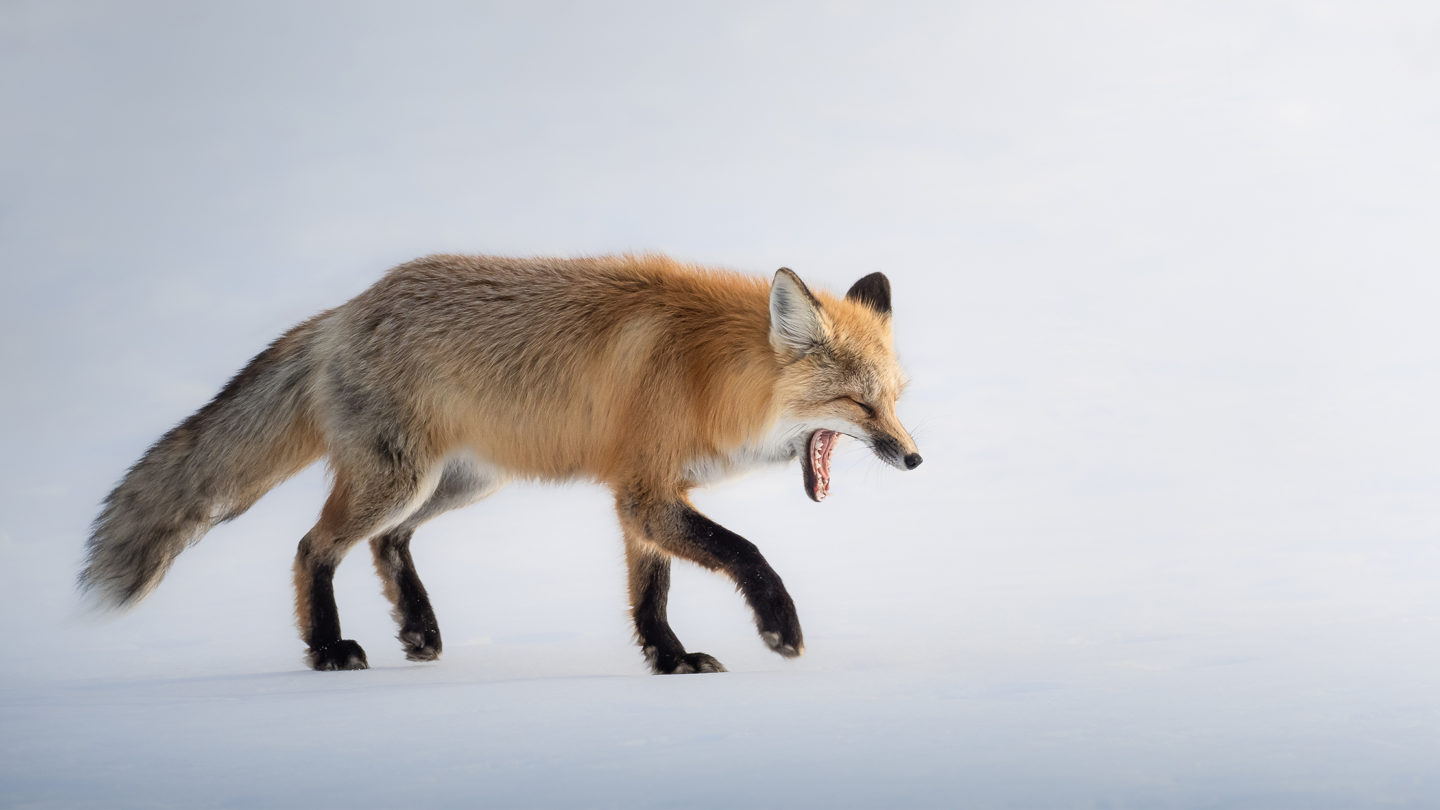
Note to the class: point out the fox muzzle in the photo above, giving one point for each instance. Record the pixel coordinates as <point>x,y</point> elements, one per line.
<point>889,450</point>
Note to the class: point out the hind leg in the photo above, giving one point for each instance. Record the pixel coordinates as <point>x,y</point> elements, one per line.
<point>461,483</point>
<point>362,504</point>
<point>419,632</point>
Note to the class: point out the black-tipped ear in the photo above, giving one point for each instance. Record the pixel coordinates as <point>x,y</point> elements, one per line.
<point>873,291</point>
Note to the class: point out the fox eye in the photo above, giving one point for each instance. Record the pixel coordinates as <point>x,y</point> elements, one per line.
<point>869,411</point>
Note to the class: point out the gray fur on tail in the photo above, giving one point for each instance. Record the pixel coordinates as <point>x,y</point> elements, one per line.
<point>210,468</point>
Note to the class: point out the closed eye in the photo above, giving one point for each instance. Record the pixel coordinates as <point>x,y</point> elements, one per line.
<point>869,411</point>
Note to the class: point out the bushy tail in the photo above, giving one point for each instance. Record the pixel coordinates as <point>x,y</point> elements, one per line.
<point>258,431</point>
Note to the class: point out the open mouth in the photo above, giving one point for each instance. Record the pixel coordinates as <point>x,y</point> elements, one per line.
<point>816,463</point>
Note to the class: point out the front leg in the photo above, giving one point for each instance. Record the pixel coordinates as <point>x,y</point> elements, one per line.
<point>718,548</point>
<point>649,592</point>
<point>676,528</point>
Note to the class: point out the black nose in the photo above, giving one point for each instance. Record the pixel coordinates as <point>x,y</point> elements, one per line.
<point>912,461</point>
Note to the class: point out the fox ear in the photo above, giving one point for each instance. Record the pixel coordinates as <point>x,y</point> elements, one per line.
<point>797,322</point>
<point>873,291</point>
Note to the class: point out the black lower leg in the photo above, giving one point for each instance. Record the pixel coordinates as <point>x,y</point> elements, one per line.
<point>419,632</point>
<point>721,548</point>
<point>327,650</point>
<point>663,651</point>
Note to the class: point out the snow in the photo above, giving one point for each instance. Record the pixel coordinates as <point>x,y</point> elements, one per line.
<point>1164,282</point>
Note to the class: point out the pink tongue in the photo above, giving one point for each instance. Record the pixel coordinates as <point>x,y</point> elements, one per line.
<point>822,446</point>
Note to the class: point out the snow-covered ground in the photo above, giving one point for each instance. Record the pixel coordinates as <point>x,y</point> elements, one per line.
<point>1165,282</point>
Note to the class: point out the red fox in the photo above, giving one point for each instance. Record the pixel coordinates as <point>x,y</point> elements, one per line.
<point>453,375</point>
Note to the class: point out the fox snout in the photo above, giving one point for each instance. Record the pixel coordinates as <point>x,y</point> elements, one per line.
<point>890,450</point>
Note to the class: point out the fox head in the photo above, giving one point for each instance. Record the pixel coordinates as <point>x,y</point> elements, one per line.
<point>839,374</point>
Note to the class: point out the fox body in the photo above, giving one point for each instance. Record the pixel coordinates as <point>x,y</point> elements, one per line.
<point>453,375</point>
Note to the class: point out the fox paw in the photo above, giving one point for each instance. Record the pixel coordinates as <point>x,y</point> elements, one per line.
<point>421,645</point>
<point>342,654</point>
<point>790,648</point>
<point>696,662</point>
<point>682,664</point>
<point>774,614</point>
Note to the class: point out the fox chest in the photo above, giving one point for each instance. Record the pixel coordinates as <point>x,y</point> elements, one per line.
<point>776,448</point>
